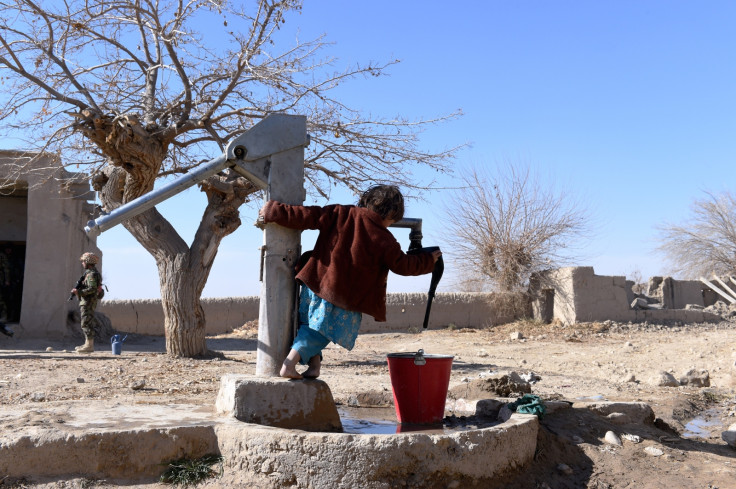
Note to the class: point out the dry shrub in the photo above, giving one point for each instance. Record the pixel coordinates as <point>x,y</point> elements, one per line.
<point>509,306</point>
<point>505,225</point>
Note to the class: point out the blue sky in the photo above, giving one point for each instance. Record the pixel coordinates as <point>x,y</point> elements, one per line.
<point>629,104</point>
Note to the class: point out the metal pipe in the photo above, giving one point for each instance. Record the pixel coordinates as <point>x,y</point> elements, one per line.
<point>415,246</point>
<point>154,197</point>
<point>415,236</point>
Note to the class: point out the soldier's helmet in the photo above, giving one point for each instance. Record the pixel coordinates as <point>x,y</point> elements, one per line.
<point>89,259</point>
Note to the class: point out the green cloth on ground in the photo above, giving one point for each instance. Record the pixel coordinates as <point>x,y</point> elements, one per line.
<point>529,404</point>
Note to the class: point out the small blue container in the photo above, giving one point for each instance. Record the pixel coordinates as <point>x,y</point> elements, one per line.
<point>117,344</point>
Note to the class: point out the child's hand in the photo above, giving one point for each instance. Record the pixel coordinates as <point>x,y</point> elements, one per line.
<point>436,255</point>
<point>260,222</point>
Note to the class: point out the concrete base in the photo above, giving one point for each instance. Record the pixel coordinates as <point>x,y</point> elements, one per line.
<point>275,459</point>
<point>96,439</point>
<point>273,401</point>
<point>102,440</point>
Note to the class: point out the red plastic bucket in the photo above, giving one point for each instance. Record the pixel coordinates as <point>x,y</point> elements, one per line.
<point>419,383</point>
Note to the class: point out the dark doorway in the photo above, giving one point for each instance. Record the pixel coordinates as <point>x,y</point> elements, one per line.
<point>547,306</point>
<point>12,267</point>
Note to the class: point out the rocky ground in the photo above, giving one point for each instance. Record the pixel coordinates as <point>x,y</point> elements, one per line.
<point>594,361</point>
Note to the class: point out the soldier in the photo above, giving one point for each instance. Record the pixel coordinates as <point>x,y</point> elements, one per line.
<point>4,287</point>
<point>87,289</point>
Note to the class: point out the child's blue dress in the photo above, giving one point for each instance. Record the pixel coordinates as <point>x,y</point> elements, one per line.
<point>328,321</point>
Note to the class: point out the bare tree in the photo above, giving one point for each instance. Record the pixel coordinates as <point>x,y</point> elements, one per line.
<point>131,92</point>
<point>706,242</point>
<point>504,225</point>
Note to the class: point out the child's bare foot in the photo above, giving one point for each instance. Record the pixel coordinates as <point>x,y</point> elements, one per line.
<point>289,371</point>
<point>288,368</point>
<point>314,367</point>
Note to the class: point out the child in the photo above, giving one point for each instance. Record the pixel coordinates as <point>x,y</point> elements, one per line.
<point>346,273</point>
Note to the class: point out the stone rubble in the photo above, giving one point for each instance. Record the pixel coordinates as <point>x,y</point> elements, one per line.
<point>664,379</point>
<point>696,378</point>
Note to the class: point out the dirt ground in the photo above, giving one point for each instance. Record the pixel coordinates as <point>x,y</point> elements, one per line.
<point>594,361</point>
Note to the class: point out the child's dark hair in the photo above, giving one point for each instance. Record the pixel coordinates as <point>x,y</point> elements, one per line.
<point>386,200</point>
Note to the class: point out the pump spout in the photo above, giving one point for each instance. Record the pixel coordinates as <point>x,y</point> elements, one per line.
<point>415,235</point>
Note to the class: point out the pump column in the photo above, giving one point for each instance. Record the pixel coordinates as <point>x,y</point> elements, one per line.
<point>280,252</point>
<point>271,155</point>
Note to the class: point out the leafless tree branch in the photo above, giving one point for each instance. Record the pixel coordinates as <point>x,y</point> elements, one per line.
<point>505,225</point>
<point>706,242</point>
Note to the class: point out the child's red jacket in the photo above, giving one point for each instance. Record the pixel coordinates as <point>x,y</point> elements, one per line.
<point>352,256</point>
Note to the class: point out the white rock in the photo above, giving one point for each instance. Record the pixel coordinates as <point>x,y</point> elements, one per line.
<point>631,438</point>
<point>517,335</point>
<point>48,348</point>
<point>618,418</point>
<point>530,377</point>
<point>654,451</point>
<point>729,436</point>
<point>612,438</point>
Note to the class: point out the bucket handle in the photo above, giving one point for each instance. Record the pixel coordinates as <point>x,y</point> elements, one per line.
<point>419,358</point>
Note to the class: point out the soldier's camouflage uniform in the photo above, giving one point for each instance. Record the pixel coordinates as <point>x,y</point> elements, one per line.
<point>88,300</point>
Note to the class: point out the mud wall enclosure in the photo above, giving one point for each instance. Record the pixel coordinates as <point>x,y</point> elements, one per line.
<point>569,295</point>
<point>404,311</point>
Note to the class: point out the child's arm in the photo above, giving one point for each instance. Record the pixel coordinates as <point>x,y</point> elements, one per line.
<point>415,264</point>
<point>295,216</point>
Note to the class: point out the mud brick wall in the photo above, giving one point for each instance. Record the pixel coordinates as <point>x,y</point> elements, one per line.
<point>405,312</point>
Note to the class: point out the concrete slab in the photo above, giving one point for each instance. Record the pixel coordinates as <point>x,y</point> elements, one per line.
<point>104,440</point>
<point>274,401</point>
<point>101,439</point>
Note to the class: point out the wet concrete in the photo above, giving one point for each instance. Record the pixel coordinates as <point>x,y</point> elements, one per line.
<point>382,421</point>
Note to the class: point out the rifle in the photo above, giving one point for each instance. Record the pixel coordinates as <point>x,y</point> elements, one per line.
<point>78,286</point>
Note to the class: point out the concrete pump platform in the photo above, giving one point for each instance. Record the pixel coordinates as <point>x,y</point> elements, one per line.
<point>103,439</point>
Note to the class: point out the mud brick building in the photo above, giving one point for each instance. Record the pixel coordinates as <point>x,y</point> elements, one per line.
<point>43,211</point>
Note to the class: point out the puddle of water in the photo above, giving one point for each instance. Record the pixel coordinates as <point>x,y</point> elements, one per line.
<point>382,421</point>
<point>599,397</point>
<point>699,427</point>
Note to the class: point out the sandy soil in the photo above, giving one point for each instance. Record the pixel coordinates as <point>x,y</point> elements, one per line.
<point>586,362</point>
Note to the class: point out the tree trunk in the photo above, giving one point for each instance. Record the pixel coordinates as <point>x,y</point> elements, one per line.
<point>181,281</point>
<point>135,158</point>
<point>184,320</point>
